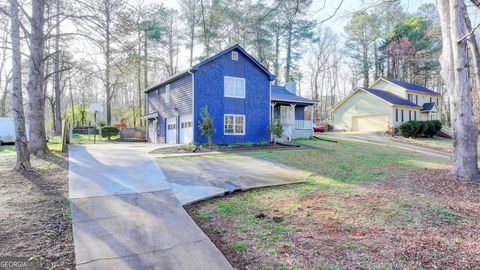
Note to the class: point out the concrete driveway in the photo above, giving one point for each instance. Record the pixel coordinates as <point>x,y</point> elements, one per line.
<point>128,214</point>
<point>194,179</point>
<point>126,217</point>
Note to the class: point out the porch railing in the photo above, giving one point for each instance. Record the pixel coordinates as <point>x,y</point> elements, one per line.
<point>303,124</point>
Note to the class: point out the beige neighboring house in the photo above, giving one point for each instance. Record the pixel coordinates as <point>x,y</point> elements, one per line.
<point>385,104</point>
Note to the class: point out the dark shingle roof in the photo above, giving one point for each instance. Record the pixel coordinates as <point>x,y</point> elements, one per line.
<point>280,93</point>
<point>413,86</point>
<point>389,97</point>
<point>427,106</point>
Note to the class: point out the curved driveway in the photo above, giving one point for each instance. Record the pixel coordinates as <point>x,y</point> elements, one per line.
<point>127,215</point>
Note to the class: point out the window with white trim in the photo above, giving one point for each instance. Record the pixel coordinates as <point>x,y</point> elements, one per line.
<point>234,87</point>
<point>168,93</point>
<point>187,124</point>
<point>234,56</point>
<point>171,127</point>
<point>234,124</point>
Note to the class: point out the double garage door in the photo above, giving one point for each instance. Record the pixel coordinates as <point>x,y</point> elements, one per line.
<point>377,122</point>
<point>184,131</point>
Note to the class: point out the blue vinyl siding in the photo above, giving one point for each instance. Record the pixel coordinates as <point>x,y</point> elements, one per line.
<point>181,99</point>
<point>209,90</point>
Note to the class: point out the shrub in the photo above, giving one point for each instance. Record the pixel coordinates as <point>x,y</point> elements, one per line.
<point>276,129</point>
<point>206,125</point>
<point>109,132</point>
<point>428,129</point>
<point>420,128</point>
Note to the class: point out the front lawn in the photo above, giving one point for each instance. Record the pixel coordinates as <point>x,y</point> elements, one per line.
<point>366,206</point>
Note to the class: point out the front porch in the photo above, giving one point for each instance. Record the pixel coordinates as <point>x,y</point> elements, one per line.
<point>293,118</point>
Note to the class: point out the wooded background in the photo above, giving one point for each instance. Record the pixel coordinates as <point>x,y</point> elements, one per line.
<point>109,51</point>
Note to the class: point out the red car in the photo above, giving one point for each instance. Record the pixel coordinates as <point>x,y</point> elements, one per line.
<point>318,128</point>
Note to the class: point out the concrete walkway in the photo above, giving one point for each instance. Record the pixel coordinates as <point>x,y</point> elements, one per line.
<point>125,215</point>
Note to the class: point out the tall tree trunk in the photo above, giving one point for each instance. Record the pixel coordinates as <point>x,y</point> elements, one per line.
<point>108,86</point>
<point>289,55</point>
<point>145,60</point>
<point>276,65</point>
<point>71,101</point>
<point>21,145</point>
<point>56,66</point>
<point>454,62</point>
<point>475,72</point>
<point>36,104</point>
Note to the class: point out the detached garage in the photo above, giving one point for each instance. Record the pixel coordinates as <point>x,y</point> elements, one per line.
<point>371,110</point>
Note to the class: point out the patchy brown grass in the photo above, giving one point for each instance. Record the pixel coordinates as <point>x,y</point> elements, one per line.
<point>423,219</point>
<point>407,217</point>
<point>35,214</point>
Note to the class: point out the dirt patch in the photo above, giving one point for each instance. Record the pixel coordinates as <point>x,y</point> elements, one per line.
<point>35,215</point>
<point>181,149</point>
<point>425,219</point>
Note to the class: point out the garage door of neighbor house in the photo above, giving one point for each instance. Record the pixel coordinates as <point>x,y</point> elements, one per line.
<point>378,122</point>
<point>152,131</point>
<point>172,130</point>
<point>186,128</point>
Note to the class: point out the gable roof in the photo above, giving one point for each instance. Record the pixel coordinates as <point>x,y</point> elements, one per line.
<point>412,86</point>
<point>381,94</point>
<point>428,106</point>
<point>196,67</point>
<point>389,97</point>
<point>280,93</point>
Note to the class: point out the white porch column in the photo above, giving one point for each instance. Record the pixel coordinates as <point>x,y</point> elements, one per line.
<point>293,121</point>
<point>272,111</point>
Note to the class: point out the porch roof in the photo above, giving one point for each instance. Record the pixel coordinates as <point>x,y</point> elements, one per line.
<point>281,94</point>
<point>151,115</point>
<point>428,107</point>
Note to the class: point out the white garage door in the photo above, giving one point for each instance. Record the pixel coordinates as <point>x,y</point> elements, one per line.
<point>377,122</point>
<point>186,128</point>
<point>172,130</point>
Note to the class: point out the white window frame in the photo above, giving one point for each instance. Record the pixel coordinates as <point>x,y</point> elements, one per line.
<point>235,79</point>
<point>234,56</point>
<point>234,124</point>
<point>168,93</point>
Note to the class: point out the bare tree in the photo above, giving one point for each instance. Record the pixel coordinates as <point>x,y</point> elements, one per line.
<point>454,61</point>
<point>21,145</point>
<point>36,103</point>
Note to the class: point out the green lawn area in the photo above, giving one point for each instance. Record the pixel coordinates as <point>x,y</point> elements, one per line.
<point>365,206</point>
<point>435,143</point>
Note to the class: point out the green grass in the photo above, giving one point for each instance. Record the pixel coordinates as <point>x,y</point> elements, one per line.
<point>446,215</point>
<point>335,194</point>
<point>350,160</point>
<point>5,149</point>
<point>240,246</point>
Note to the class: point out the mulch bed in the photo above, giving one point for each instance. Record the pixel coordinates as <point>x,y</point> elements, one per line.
<point>426,219</point>
<point>35,218</point>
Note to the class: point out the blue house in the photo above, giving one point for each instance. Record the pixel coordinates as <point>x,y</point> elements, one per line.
<point>239,96</point>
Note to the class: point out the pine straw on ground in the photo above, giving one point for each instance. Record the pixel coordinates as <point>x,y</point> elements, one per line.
<point>35,218</point>
<point>425,219</point>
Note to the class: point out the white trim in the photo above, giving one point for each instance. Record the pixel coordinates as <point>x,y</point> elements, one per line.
<point>229,114</point>
<point>233,96</point>
<point>234,55</point>
<point>168,93</point>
